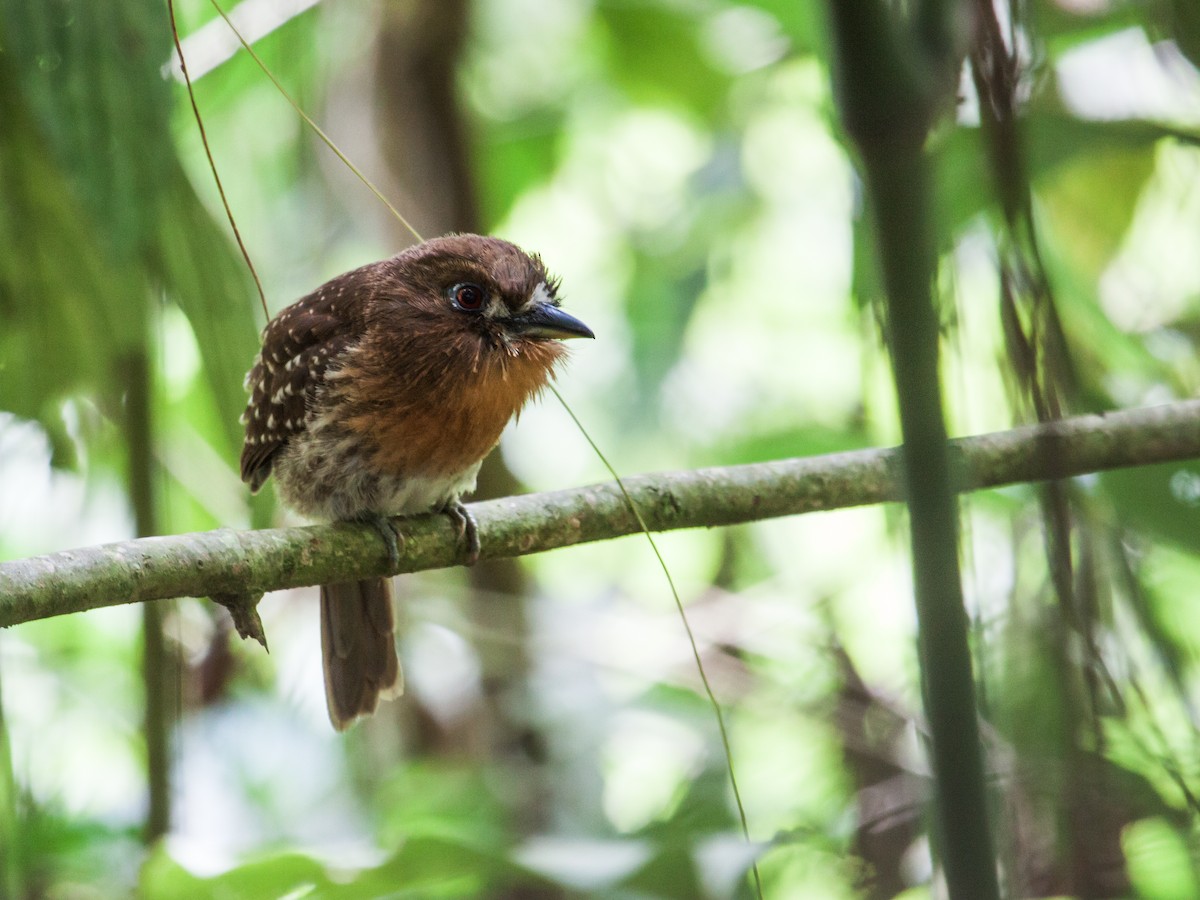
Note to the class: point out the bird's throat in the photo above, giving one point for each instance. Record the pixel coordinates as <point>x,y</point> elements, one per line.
<point>449,420</point>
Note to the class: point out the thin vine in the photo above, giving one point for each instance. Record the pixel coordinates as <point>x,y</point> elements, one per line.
<point>212,165</point>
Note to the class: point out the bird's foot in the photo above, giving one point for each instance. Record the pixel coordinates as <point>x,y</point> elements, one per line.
<point>390,532</point>
<point>467,527</point>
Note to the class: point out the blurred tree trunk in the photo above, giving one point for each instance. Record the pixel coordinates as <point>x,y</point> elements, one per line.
<point>158,670</point>
<point>422,133</point>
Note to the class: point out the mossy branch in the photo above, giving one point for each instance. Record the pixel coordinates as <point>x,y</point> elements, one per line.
<point>240,563</point>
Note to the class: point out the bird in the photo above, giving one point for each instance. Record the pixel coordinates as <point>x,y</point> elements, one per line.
<point>378,395</point>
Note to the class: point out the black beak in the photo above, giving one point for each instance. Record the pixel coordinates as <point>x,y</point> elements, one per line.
<point>547,322</point>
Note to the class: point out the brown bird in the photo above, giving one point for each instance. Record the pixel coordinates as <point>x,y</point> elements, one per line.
<point>379,394</point>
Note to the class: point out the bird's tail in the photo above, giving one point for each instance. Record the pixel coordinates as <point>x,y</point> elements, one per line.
<point>358,644</point>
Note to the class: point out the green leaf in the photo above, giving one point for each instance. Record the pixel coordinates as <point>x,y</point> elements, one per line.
<point>661,302</point>
<point>54,847</point>
<point>1083,168</point>
<point>803,23</point>
<point>65,303</point>
<point>423,867</point>
<point>1163,500</point>
<point>1064,26</point>
<point>91,74</point>
<point>1098,347</point>
<point>97,208</point>
<point>431,867</point>
<point>1092,201</point>
<point>670,872</point>
<point>200,270</point>
<point>440,798</point>
<point>162,878</point>
<point>514,156</point>
<point>964,186</point>
<point>785,441</point>
<point>656,56</point>
<point>1159,862</point>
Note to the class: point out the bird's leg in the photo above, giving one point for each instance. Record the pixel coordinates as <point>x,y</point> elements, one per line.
<point>467,527</point>
<point>390,532</point>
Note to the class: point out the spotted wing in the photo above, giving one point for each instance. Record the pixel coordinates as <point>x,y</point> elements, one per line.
<point>299,345</point>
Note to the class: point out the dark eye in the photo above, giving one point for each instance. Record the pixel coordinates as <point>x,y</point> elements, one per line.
<point>468,296</point>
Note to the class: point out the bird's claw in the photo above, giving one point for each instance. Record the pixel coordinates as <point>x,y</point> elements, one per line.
<point>393,540</point>
<point>467,528</point>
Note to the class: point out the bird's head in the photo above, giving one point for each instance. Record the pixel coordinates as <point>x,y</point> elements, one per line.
<point>474,294</point>
<point>463,322</point>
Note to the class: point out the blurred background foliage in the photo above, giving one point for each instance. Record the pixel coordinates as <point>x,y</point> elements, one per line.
<point>678,162</point>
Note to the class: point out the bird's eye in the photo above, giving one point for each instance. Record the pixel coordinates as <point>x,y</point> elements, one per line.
<point>468,296</point>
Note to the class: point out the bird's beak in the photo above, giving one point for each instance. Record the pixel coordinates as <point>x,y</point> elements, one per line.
<point>547,322</point>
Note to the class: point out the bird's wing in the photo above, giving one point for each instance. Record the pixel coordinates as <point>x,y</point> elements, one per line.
<point>298,346</point>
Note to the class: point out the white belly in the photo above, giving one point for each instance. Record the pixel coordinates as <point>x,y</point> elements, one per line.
<point>327,479</point>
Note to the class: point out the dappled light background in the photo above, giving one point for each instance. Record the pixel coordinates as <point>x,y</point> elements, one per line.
<point>681,167</point>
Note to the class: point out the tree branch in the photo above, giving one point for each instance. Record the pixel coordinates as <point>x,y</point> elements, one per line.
<point>250,562</point>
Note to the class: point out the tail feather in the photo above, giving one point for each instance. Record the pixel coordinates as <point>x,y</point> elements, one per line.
<point>358,644</point>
